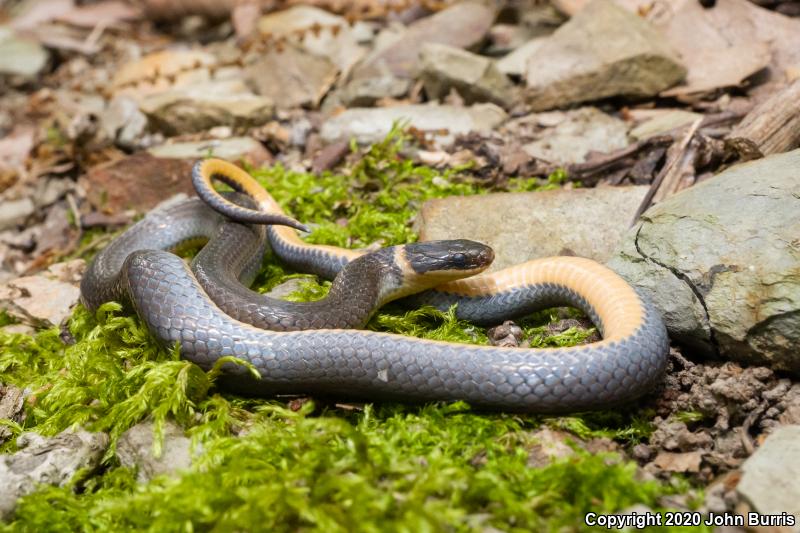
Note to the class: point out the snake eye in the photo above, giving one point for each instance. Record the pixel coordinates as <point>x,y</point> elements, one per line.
<point>459,259</point>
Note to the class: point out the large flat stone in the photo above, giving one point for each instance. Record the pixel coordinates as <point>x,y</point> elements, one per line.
<point>523,226</point>
<point>572,65</point>
<point>441,121</point>
<point>721,260</point>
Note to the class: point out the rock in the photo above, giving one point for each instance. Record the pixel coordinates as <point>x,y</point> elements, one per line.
<point>12,402</point>
<point>336,40</point>
<point>791,406</point>
<point>56,234</point>
<point>549,445</point>
<point>51,190</point>
<point>46,460</point>
<point>122,122</point>
<point>571,67</point>
<point>136,449</point>
<point>442,121</point>
<point>582,131</point>
<point>507,334</point>
<point>664,122</point>
<point>13,213</point>
<point>505,38</point>
<point>232,149</point>
<point>724,45</point>
<point>330,156</point>
<point>286,288</point>
<point>720,261</point>
<point>19,56</point>
<point>15,148</point>
<point>475,77</point>
<point>515,63</point>
<point>770,481</point>
<point>137,182</point>
<point>43,300</point>
<point>462,25</point>
<point>17,329</point>
<point>523,226</point>
<point>292,77</point>
<point>202,106</point>
<point>679,462</point>
<point>363,92</point>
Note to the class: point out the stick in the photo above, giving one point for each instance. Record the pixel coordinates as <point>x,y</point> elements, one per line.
<point>773,126</point>
<point>668,170</point>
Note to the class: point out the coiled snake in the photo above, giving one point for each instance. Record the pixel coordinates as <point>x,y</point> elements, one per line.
<point>205,309</point>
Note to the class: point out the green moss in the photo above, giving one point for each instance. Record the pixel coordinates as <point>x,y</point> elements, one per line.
<point>393,468</point>
<point>366,468</point>
<point>5,318</point>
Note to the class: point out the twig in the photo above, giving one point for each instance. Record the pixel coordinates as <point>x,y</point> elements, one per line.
<point>669,170</point>
<point>773,126</point>
<point>591,169</point>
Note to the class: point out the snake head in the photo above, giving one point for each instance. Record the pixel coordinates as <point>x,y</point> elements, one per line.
<point>460,257</point>
<point>426,264</point>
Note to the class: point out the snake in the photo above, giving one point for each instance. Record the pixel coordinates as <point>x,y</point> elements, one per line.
<point>174,300</point>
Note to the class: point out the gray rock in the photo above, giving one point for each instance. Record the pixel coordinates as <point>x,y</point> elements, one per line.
<point>505,38</point>
<point>790,402</point>
<point>582,131</point>
<point>43,300</point>
<point>516,63</point>
<point>523,226</point>
<point>286,288</point>
<point>12,400</point>
<point>50,190</point>
<point>442,121</point>
<point>475,77</point>
<point>363,92</point>
<point>721,262</point>
<point>122,122</point>
<point>204,105</point>
<point>770,481</point>
<point>231,149</point>
<point>572,66</point>
<point>19,56</point>
<point>46,460</point>
<point>292,77</point>
<point>14,212</point>
<point>462,25</point>
<point>136,449</point>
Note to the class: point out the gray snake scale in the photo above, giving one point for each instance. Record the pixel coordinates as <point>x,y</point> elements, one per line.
<point>346,363</point>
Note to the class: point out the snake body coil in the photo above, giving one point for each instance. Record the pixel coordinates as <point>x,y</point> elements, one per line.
<point>627,363</point>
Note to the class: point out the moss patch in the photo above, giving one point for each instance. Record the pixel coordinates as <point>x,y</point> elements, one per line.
<point>304,464</point>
